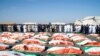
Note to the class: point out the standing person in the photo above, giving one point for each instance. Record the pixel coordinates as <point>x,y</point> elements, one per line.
<point>46,29</point>
<point>12,28</point>
<point>94,29</point>
<point>53,28</point>
<point>25,28</point>
<point>2,28</point>
<point>18,27</point>
<point>36,27</point>
<point>42,28</point>
<point>57,28</point>
<point>33,27</point>
<point>39,28</point>
<point>81,30</point>
<point>68,28</point>
<point>5,27</point>
<point>73,26</point>
<point>9,28</point>
<point>15,28</point>
<point>60,28</point>
<point>78,28</point>
<point>65,28</point>
<point>49,26</point>
<point>84,29</point>
<point>21,28</point>
<point>90,29</point>
<point>99,29</point>
<point>87,29</point>
<point>28,27</point>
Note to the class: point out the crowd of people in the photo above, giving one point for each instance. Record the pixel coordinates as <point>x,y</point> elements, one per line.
<point>86,29</point>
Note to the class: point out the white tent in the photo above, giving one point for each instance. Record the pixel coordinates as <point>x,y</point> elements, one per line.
<point>90,20</point>
<point>78,22</point>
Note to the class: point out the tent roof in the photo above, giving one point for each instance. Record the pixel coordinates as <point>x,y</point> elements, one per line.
<point>91,20</point>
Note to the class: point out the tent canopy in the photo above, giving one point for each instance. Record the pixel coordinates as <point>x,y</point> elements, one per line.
<point>90,20</point>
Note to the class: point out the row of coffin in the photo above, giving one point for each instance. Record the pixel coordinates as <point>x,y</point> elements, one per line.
<point>56,43</point>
